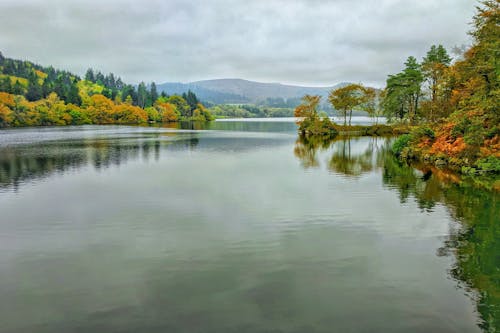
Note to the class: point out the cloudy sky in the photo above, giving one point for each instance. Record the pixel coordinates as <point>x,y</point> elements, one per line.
<point>307,42</point>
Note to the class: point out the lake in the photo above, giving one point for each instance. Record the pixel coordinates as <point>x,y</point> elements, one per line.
<point>237,226</point>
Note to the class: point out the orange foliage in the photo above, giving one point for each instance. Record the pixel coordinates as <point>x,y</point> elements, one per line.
<point>167,111</point>
<point>491,147</point>
<point>449,146</point>
<point>7,99</point>
<point>445,143</point>
<point>6,115</point>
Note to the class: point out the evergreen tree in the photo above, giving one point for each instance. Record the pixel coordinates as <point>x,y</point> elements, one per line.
<point>6,85</point>
<point>34,92</point>
<point>191,99</point>
<point>434,66</point>
<point>89,76</point>
<point>73,96</point>
<point>154,92</point>
<point>142,95</point>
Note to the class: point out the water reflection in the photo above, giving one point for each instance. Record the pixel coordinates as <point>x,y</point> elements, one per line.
<point>475,246</point>
<point>226,233</point>
<point>30,154</point>
<point>25,163</point>
<point>348,156</point>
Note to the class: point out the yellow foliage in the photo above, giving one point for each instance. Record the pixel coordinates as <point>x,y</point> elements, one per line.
<point>6,99</point>
<point>6,115</point>
<point>167,111</point>
<point>41,74</point>
<point>14,79</point>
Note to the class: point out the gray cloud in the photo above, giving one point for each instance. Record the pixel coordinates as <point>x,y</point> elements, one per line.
<point>305,41</point>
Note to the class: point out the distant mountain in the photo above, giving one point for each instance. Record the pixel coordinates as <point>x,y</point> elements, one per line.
<point>223,91</point>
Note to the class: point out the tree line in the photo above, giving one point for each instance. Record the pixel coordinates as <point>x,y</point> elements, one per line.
<point>33,95</point>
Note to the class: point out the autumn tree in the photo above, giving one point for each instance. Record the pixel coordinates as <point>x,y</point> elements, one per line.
<point>371,103</point>
<point>310,123</point>
<point>308,108</point>
<point>6,113</point>
<point>346,99</point>
<point>167,111</point>
<point>181,105</point>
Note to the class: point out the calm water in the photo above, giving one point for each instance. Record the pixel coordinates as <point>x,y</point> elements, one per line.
<point>237,227</point>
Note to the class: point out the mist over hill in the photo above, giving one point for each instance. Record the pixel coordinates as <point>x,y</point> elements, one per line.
<point>239,91</point>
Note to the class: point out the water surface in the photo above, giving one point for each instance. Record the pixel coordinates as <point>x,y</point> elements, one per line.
<point>236,227</point>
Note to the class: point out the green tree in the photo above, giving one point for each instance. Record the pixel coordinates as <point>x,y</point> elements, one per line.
<point>181,105</point>
<point>413,86</point>
<point>191,99</point>
<point>17,88</point>
<point>153,93</point>
<point>89,75</point>
<point>434,68</point>
<point>403,92</point>
<point>142,95</point>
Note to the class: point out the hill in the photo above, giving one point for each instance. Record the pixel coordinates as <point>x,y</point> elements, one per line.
<point>227,91</point>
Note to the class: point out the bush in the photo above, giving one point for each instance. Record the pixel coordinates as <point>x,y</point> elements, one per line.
<point>421,132</point>
<point>318,126</point>
<point>489,164</point>
<point>401,142</point>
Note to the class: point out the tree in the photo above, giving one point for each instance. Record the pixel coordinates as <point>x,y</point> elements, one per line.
<point>153,93</point>
<point>346,99</point>
<point>6,85</point>
<point>403,92</point>
<point>142,95</point>
<point>191,99</point>
<point>128,90</point>
<point>17,88</point>
<point>168,112</point>
<point>371,103</point>
<point>34,92</point>
<point>73,95</point>
<point>201,113</point>
<point>434,68</point>
<point>308,108</point>
<point>181,105</point>
<point>413,85</point>
<point>89,75</point>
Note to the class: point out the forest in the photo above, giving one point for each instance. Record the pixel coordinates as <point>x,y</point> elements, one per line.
<point>450,107</point>
<point>33,95</point>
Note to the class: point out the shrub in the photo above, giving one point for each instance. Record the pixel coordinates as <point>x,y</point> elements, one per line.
<point>421,132</point>
<point>489,164</point>
<point>401,142</point>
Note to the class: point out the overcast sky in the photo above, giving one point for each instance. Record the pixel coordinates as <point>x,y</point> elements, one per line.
<point>307,42</point>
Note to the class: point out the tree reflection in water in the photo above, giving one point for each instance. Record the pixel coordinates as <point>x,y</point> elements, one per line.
<point>26,163</point>
<point>475,247</point>
<point>343,159</point>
